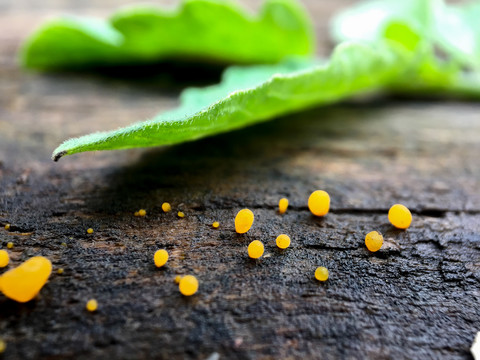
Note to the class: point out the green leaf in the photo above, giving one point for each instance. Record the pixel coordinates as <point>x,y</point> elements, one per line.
<point>213,30</point>
<point>249,95</point>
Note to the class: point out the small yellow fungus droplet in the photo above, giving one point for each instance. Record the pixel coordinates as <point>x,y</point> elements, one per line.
<point>283,241</point>
<point>63,244</point>
<point>216,225</point>
<point>188,285</point>
<point>10,245</point>
<point>177,279</point>
<point>3,346</point>
<point>321,274</point>
<point>92,305</point>
<point>89,231</point>
<point>136,213</point>
<point>180,214</point>
<point>319,203</point>
<point>7,226</point>
<point>142,212</point>
<point>282,205</point>
<point>400,216</point>
<point>374,241</point>
<point>243,221</point>
<point>255,249</point>
<point>24,282</point>
<point>160,257</point>
<point>166,207</point>
<point>4,258</point>
<point>60,271</point>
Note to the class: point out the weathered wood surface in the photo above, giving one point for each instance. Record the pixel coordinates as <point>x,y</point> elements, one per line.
<point>416,298</point>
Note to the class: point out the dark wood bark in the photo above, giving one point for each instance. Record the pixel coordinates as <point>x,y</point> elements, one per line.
<point>418,297</point>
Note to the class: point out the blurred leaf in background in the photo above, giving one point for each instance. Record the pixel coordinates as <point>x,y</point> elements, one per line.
<point>207,30</point>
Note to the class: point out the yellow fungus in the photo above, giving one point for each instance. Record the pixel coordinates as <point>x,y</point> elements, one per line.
<point>142,212</point>
<point>216,225</point>
<point>188,285</point>
<point>7,226</point>
<point>24,282</point>
<point>10,245</point>
<point>180,214</point>
<point>321,274</point>
<point>243,221</point>
<point>136,213</point>
<point>255,249</point>
<point>92,305</point>
<point>374,241</point>
<point>282,205</point>
<point>400,216</point>
<point>4,258</point>
<point>160,257</point>
<point>3,346</point>
<point>60,271</point>
<point>63,244</point>
<point>283,241</point>
<point>177,279</point>
<point>89,231</point>
<point>166,207</point>
<point>319,203</point>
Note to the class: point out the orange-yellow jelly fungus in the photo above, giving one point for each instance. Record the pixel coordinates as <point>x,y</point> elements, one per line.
<point>166,207</point>
<point>142,212</point>
<point>10,245</point>
<point>92,305</point>
<point>374,241</point>
<point>177,279</point>
<point>282,205</point>
<point>89,231</point>
<point>4,258</point>
<point>216,225</point>
<point>160,258</point>
<point>3,346</point>
<point>319,203</point>
<point>24,282</point>
<point>243,221</point>
<point>188,285</point>
<point>7,226</point>
<point>181,214</point>
<point>321,274</point>
<point>255,249</point>
<point>283,241</point>
<point>400,216</point>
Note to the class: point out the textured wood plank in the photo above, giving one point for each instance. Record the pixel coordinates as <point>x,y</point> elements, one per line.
<point>416,298</point>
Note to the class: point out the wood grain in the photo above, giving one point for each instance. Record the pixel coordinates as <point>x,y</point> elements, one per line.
<point>415,298</point>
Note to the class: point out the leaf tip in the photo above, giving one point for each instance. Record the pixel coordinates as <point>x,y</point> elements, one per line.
<point>57,155</point>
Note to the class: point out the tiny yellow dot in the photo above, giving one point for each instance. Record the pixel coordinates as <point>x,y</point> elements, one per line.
<point>244,221</point>
<point>63,244</point>
<point>3,346</point>
<point>321,274</point>
<point>319,203</point>
<point>283,241</point>
<point>4,258</point>
<point>166,207</point>
<point>142,212</point>
<point>400,216</point>
<point>160,258</point>
<point>188,285</point>
<point>60,271</point>
<point>89,231</point>
<point>180,214</point>
<point>136,213</point>
<point>10,245</point>
<point>92,305</point>
<point>7,226</point>
<point>255,249</point>
<point>216,225</point>
<point>373,241</point>
<point>282,205</point>
<point>177,279</point>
